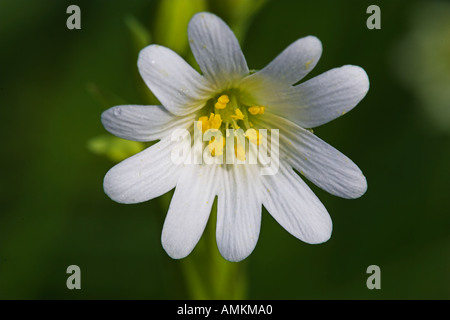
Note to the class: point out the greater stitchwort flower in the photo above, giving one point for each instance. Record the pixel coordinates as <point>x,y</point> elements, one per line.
<point>234,111</point>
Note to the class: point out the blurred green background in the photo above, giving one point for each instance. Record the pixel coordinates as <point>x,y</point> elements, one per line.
<point>55,82</point>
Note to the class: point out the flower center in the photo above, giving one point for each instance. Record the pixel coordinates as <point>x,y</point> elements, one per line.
<point>226,113</point>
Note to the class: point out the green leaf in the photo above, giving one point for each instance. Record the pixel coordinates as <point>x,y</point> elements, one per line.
<point>140,34</point>
<point>238,13</point>
<point>104,97</point>
<point>172,20</point>
<point>116,149</point>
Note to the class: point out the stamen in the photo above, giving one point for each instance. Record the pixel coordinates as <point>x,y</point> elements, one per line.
<point>253,136</point>
<point>235,125</point>
<point>256,110</point>
<point>213,122</point>
<point>204,122</point>
<point>222,118</point>
<point>224,99</point>
<point>253,110</point>
<point>216,146</point>
<point>238,115</point>
<point>222,102</point>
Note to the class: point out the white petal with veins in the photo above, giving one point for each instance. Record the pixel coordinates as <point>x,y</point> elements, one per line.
<point>216,50</point>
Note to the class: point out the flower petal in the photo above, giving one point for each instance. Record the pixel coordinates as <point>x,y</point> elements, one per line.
<point>238,211</point>
<point>294,63</point>
<point>322,164</point>
<point>175,83</point>
<point>142,123</point>
<point>316,101</point>
<point>189,210</point>
<point>216,50</point>
<point>144,176</point>
<point>295,207</point>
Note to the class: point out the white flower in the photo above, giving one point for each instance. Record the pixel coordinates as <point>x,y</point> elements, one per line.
<point>225,87</point>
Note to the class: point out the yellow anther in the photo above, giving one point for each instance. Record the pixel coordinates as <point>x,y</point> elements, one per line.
<point>203,119</point>
<point>216,146</point>
<point>219,105</point>
<point>238,115</point>
<point>204,123</point>
<point>253,136</point>
<point>253,110</point>
<point>222,102</point>
<point>256,110</point>
<point>215,121</point>
<point>224,99</point>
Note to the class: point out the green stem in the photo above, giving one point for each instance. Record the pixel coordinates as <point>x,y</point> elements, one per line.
<point>208,275</point>
<point>227,279</point>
